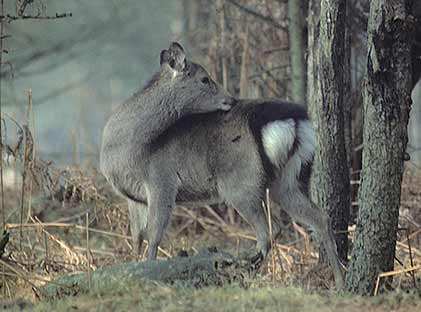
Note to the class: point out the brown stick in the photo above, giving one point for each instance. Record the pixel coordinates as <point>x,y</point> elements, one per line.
<point>31,163</point>
<point>3,215</point>
<point>1,133</point>
<point>88,253</point>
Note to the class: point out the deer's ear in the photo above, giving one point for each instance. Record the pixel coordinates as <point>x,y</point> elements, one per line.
<point>164,57</point>
<point>177,59</point>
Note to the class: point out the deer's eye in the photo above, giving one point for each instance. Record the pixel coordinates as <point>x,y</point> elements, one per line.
<point>205,80</point>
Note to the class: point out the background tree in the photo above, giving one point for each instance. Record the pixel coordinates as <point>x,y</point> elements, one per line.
<point>414,144</point>
<point>327,78</point>
<point>387,101</point>
<point>297,51</point>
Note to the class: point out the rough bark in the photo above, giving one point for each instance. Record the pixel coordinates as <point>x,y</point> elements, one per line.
<point>386,107</point>
<point>296,51</point>
<point>326,81</point>
<point>209,267</point>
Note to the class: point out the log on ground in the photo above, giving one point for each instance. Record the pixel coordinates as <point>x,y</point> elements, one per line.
<point>208,267</point>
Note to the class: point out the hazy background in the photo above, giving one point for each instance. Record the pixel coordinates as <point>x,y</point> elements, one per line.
<point>79,67</point>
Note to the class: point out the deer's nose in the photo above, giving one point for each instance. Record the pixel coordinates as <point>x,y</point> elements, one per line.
<point>230,101</point>
<point>227,103</point>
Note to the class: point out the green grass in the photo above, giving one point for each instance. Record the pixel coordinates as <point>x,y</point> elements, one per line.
<point>150,296</point>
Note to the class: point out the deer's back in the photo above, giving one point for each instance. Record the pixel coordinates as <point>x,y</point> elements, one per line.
<point>208,154</point>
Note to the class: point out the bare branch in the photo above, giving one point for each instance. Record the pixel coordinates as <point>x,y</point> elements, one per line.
<point>11,18</point>
<point>23,6</point>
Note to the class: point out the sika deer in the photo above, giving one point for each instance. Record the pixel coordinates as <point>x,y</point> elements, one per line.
<point>183,139</point>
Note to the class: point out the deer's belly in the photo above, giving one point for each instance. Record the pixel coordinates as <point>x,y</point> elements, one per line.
<point>196,187</point>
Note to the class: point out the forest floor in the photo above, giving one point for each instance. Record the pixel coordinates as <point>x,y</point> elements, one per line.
<point>151,296</point>
<point>48,238</point>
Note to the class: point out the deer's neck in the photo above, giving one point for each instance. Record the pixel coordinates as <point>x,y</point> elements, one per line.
<point>154,117</point>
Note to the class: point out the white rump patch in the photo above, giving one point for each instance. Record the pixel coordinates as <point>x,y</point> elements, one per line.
<point>278,138</point>
<point>304,154</point>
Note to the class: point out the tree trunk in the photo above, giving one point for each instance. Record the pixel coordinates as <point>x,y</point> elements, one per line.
<point>386,107</point>
<point>327,78</point>
<point>296,51</point>
<point>190,15</point>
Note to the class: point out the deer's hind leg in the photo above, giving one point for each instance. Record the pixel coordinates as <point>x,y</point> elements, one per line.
<point>249,206</point>
<point>298,205</point>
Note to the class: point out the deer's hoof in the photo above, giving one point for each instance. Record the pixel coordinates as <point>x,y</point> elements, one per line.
<point>252,261</point>
<point>257,260</point>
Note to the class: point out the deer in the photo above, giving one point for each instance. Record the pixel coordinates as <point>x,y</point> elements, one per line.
<point>183,139</point>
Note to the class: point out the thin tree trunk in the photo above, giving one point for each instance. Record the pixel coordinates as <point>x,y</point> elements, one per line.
<point>327,77</point>
<point>312,40</point>
<point>416,44</point>
<point>190,15</point>
<point>296,51</point>
<point>224,69</point>
<point>386,108</point>
<point>347,106</point>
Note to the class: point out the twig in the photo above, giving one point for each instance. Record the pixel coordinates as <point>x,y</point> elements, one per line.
<point>410,255</point>
<point>215,215</point>
<point>3,215</point>
<point>414,250</point>
<point>269,216</point>
<point>244,69</point>
<point>31,163</point>
<point>221,8</point>
<point>24,171</point>
<point>305,236</point>
<point>391,273</point>
<point>96,251</point>
<point>12,226</point>
<point>24,4</point>
<point>88,253</point>
<point>11,18</point>
<point>47,254</point>
<point>1,132</point>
